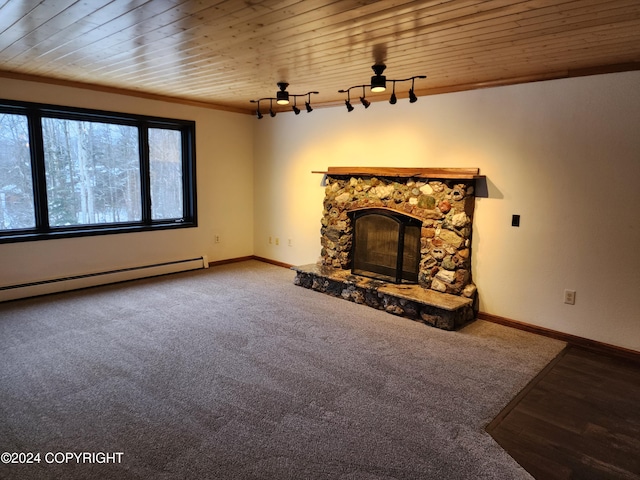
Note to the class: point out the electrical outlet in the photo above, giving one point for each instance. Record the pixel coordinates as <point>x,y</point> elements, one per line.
<point>270,240</point>
<point>290,242</point>
<point>570,297</point>
<point>216,238</point>
<point>277,241</point>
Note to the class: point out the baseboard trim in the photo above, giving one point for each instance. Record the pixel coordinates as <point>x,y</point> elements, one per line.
<point>230,260</point>
<point>272,262</point>
<point>249,257</point>
<point>575,340</point>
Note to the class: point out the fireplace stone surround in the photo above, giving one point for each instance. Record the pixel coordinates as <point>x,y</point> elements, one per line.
<point>443,201</point>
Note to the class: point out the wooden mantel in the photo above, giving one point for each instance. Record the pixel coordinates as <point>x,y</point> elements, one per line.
<point>443,173</point>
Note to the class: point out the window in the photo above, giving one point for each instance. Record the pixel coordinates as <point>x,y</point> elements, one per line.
<point>69,172</point>
<point>166,172</point>
<point>16,185</point>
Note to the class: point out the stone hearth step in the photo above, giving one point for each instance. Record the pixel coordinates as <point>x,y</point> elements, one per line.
<point>440,310</point>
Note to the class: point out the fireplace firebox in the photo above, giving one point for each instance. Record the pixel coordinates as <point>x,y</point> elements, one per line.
<point>386,245</point>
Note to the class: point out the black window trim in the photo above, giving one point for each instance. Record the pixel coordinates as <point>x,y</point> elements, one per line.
<point>43,231</point>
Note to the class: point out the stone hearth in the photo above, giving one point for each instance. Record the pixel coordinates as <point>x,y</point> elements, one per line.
<point>439,310</point>
<point>443,200</point>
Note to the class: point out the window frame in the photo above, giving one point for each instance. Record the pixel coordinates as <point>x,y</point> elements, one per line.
<point>43,231</point>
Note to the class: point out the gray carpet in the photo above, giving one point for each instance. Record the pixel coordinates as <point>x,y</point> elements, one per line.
<point>235,373</point>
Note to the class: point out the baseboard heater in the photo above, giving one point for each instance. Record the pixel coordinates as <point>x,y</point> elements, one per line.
<point>74,282</point>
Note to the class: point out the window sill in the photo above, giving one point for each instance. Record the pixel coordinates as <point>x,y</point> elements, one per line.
<point>91,230</point>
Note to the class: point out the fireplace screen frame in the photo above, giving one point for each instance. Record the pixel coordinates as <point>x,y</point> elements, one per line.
<point>406,266</point>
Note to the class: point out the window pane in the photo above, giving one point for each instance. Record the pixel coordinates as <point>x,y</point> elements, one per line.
<point>92,171</point>
<point>165,164</point>
<point>16,184</point>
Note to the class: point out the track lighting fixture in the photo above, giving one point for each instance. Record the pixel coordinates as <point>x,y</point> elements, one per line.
<point>282,98</point>
<point>379,84</point>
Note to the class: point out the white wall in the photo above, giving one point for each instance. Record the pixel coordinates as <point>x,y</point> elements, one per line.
<point>223,160</point>
<point>563,154</point>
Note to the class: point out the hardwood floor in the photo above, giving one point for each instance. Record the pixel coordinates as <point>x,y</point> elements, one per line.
<point>578,419</point>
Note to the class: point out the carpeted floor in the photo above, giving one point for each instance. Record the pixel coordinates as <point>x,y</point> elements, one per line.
<point>235,373</point>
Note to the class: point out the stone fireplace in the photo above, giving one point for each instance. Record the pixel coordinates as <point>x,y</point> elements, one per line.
<point>398,239</point>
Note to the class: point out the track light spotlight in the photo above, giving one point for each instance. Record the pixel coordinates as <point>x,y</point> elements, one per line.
<point>393,99</point>
<point>412,95</point>
<point>412,92</point>
<point>349,106</point>
<point>347,102</point>
<point>363,100</point>
<point>307,104</point>
<point>378,81</point>
<point>257,112</point>
<point>295,109</point>
<point>271,112</point>
<point>282,97</point>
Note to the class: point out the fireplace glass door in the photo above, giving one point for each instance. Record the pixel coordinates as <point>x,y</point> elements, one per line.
<point>386,245</point>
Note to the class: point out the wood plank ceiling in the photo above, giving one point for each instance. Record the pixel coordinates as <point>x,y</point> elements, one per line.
<point>223,53</point>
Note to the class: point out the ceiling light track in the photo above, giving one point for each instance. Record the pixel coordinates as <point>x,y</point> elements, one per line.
<point>283,98</point>
<point>379,84</point>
